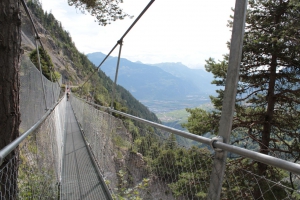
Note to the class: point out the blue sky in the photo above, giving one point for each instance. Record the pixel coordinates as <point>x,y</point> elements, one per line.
<point>187,31</point>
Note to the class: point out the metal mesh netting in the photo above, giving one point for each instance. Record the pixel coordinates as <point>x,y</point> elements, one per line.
<point>243,183</point>
<point>143,162</point>
<point>153,164</point>
<point>32,98</point>
<point>38,161</point>
<point>34,172</point>
<point>80,176</point>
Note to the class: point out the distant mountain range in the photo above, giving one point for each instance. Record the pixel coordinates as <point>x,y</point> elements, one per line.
<point>199,77</point>
<point>163,81</point>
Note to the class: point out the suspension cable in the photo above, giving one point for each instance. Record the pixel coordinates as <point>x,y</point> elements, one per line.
<point>137,19</point>
<point>38,37</point>
<point>119,41</point>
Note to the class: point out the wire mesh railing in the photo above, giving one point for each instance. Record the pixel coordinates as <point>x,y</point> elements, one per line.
<point>32,106</point>
<point>40,159</point>
<point>153,163</point>
<point>34,170</point>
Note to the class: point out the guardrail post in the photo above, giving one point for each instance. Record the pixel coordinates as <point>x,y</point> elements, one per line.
<point>219,164</point>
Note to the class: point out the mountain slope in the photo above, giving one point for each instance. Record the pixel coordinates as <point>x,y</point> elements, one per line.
<point>199,77</point>
<point>75,66</point>
<point>146,82</point>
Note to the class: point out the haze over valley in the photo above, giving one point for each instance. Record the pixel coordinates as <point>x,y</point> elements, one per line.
<point>162,87</point>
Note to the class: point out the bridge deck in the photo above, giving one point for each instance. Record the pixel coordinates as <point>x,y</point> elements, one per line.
<point>80,179</point>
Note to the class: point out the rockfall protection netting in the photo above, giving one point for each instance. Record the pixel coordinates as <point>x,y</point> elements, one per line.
<point>154,164</point>
<point>34,171</point>
<point>33,100</point>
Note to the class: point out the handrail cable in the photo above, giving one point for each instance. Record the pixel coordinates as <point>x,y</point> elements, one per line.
<point>263,158</point>
<point>94,160</point>
<point>11,146</point>
<point>38,37</point>
<point>119,41</point>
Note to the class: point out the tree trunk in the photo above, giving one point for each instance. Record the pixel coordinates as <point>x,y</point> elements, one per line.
<point>10,41</point>
<point>266,132</point>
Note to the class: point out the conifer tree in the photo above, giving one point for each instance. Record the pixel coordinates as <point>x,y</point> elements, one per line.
<point>269,89</point>
<point>267,102</point>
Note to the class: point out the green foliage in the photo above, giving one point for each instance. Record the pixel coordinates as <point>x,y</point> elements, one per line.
<point>46,64</point>
<point>56,76</point>
<point>127,193</point>
<point>100,96</point>
<point>219,70</point>
<point>119,142</point>
<point>62,39</point>
<point>33,185</point>
<point>187,171</point>
<point>85,89</point>
<point>184,170</point>
<point>267,106</point>
<point>63,87</point>
<point>74,89</point>
<point>105,13</point>
<point>34,180</point>
<point>118,106</point>
<point>243,183</point>
<point>130,126</point>
<point>171,142</point>
<point>269,87</point>
<point>200,121</point>
<point>181,168</point>
<point>99,87</point>
<point>186,186</point>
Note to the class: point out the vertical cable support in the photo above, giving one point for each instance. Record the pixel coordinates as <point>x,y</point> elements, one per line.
<point>121,39</point>
<point>37,35</point>
<point>41,74</point>
<point>120,42</point>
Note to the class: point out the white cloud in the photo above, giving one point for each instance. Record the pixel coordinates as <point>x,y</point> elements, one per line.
<point>188,31</point>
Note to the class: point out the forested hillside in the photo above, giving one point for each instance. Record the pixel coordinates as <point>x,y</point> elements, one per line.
<point>75,66</point>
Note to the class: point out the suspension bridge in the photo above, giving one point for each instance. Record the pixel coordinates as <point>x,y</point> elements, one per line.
<point>75,149</point>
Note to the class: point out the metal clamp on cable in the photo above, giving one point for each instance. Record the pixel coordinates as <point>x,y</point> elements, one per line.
<point>216,139</point>
<point>120,42</point>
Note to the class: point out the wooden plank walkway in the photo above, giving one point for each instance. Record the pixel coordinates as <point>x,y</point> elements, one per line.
<point>80,179</point>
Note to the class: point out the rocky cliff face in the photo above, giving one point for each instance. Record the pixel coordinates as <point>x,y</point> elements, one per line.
<point>61,60</point>
<point>127,169</point>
